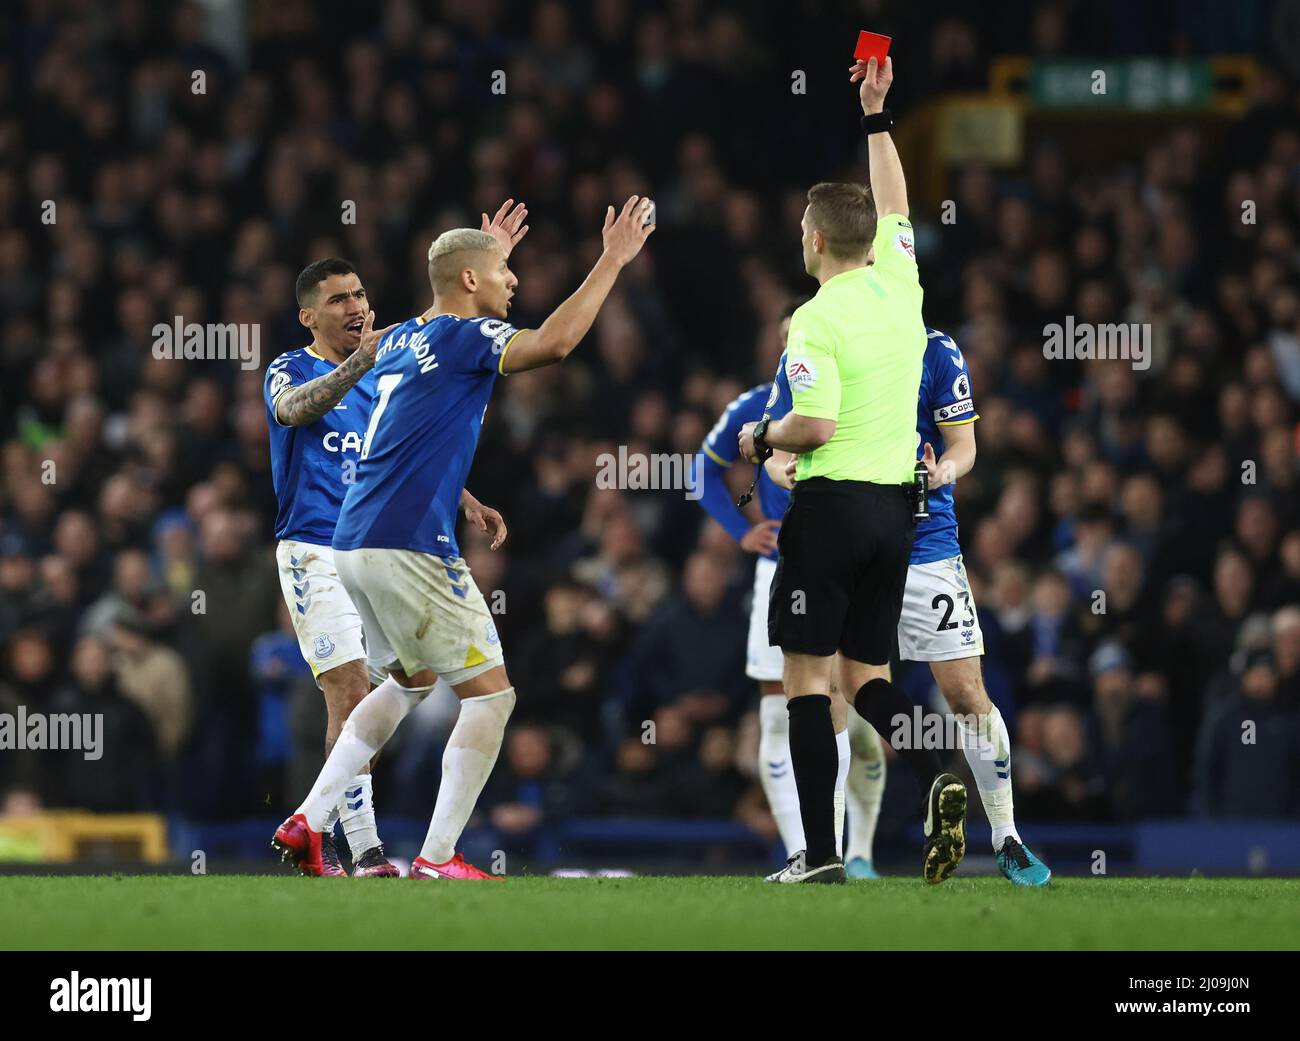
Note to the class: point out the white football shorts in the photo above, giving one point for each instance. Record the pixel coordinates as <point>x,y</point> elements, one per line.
<point>939,621</point>
<point>762,662</point>
<point>325,620</point>
<point>421,612</point>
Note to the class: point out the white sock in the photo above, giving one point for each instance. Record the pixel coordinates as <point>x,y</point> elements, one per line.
<point>865,787</point>
<point>357,812</point>
<point>776,773</point>
<point>471,753</point>
<point>369,726</point>
<point>842,747</point>
<point>988,751</point>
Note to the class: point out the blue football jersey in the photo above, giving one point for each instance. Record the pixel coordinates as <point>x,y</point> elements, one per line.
<point>945,401</point>
<point>432,384</point>
<point>311,466</point>
<point>723,446</point>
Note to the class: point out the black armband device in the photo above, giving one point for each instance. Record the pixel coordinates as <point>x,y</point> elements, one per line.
<point>878,122</point>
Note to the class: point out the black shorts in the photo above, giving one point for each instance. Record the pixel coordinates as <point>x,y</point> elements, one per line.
<point>839,582</point>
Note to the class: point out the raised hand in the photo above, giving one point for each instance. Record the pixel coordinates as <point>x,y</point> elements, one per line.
<point>370,338</point>
<point>625,234</point>
<point>507,227</point>
<point>875,82</point>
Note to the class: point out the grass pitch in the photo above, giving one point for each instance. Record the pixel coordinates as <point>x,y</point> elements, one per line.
<point>276,913</point>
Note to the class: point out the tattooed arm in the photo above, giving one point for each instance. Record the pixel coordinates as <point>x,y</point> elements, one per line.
<point>302,405</point>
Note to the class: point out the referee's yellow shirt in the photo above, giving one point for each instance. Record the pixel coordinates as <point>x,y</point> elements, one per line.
<point>854,355</point>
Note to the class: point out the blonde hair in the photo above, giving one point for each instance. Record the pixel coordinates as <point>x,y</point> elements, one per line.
<point>444,267</point>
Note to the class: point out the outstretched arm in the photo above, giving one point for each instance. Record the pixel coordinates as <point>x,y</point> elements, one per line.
<point>624,236</point>
<point>885,175</point>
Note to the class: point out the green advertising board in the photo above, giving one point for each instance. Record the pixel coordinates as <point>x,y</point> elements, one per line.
<point>1132,83</point>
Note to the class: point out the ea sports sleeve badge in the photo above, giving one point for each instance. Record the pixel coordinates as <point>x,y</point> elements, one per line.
<point>905,243</point>
<point>801,374</point>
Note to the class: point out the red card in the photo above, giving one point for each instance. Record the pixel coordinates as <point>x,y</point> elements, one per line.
<point>871,45</point>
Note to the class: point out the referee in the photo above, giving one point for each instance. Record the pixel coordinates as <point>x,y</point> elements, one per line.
<point>853,364</point>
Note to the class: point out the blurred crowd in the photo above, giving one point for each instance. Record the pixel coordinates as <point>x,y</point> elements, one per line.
<point>1133,536</point>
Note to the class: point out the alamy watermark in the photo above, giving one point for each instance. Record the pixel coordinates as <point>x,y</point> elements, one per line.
<point>943,731</point>
<point>72,993</point>
<point>1086,341</point>
<point>215,341</point>
<point>41,731</point>
<point>657,471</point>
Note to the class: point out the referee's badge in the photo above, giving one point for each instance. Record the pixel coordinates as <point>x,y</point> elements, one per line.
<point>801,374</point>
<point>903,240</point>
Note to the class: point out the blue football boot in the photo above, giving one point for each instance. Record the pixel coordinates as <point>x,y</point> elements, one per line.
<point>860,867</point>
<point>1020,865</point>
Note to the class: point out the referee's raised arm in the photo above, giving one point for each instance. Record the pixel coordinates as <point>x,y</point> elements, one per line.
<point>853,364</point>
<point>885,170</point>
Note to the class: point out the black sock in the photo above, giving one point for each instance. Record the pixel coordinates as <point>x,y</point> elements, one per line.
<point>815,759</point>
<point>878,702</point>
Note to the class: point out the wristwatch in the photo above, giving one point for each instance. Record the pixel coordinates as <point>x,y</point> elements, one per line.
<point>760,432</point>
